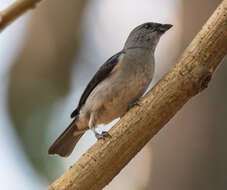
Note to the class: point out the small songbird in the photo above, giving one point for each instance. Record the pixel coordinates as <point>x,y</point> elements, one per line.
<point>116,87</point>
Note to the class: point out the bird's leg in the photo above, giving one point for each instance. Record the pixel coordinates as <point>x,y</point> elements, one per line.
<point>92,126</point>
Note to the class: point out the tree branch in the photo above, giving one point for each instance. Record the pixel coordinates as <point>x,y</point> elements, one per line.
<point>192,73</point>
<point>14,11</point>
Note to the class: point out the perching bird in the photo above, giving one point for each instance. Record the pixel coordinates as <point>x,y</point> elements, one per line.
<point>117,85</point>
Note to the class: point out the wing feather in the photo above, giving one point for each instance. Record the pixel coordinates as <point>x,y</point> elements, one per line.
<point>101,74</point>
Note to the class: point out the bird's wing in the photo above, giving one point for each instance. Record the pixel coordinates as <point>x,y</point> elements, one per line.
<point>109,66</point>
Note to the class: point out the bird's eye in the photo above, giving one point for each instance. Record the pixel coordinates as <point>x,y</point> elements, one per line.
<point>147,26</point>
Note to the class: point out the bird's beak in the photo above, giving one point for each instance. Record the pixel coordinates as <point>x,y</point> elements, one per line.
<point>164,27</point>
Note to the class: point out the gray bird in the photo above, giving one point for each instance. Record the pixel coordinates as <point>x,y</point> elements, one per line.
<point>116,87</point>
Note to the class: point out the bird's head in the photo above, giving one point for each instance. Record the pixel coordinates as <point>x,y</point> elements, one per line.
<point>146,35</point>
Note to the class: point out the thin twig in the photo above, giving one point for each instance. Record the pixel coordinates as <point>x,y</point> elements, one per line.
<point>18,8</point>
<point>104,160</point>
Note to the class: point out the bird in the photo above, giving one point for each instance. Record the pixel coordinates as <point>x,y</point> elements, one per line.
<point>115,88</point>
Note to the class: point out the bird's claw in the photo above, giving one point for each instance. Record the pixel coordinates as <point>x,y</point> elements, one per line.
<point>133,104</point>
<point>103,135</point>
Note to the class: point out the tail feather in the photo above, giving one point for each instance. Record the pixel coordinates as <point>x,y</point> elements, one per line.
<point>65,143</point>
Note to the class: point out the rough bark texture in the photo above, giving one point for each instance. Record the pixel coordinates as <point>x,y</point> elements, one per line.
<point>104,160</point>
<point>14,11</point>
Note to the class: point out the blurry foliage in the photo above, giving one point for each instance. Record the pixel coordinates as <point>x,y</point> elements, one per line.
<point>40,76</point>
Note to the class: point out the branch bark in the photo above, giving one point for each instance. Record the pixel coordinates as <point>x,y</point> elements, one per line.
<point>192,73</point>
<point>14,11</point>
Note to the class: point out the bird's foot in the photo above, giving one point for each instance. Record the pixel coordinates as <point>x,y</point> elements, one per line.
<point>103,135</point>
<point>133,104</point>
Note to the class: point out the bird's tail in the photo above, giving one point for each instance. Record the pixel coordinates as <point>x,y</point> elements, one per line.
<point>65,143</point>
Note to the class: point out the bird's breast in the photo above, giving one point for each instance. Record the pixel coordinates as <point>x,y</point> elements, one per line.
<point>125,88</point>
<point>113,96</point>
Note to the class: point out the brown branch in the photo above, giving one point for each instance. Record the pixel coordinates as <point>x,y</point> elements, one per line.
<point>104,160</point>
<point>14,11</point>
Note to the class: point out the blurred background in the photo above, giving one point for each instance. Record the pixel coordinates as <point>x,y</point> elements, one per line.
<point>46,59</point>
